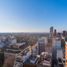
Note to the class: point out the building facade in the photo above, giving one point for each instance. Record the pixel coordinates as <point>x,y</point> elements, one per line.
<point>41,45</point>
<point>51,31</point>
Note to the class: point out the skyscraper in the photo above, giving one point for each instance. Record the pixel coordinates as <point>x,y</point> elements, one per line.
<point>64,33</point>
<point>55,32</point>
<point>42,42</point>
<point>51,31</point>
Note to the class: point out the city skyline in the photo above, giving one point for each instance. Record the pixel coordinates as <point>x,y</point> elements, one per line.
<point>32,15</point>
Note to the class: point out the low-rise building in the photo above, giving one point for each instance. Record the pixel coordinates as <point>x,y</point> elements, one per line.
<point>22,56</point>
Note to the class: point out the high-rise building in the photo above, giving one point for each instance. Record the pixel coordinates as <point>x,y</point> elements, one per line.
<point>1,59</point>
<point>64,33</point>
<point>55,32</point>
<point>51,31</point>
<point>65,52</point>
<point>41,45</point>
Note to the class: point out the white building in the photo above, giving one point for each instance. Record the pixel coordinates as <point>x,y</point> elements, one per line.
<point>42,42</point>
<point>12,39</point>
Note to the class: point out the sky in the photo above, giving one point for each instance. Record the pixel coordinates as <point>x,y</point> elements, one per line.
<point>32,15</point>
